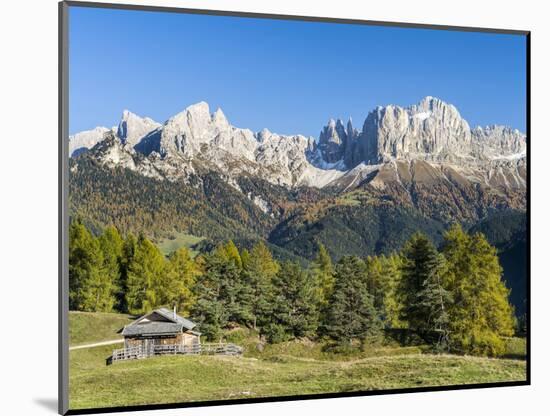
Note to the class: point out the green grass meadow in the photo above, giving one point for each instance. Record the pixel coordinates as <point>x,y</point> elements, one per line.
<point>292,368</point>
<point>90,327</point>
<point>177,240</point>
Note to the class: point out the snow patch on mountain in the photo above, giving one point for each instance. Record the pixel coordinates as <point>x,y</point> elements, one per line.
<point>514,156</point>
<point>423,115</point>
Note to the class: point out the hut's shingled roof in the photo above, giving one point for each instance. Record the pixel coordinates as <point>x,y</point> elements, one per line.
<point>172,325</point>
<point>168,314</point>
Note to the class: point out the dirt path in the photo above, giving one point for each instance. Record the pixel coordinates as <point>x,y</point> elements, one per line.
<point>97,344</point>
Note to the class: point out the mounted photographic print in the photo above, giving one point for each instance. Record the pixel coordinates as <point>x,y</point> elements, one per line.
<point>262,207</point>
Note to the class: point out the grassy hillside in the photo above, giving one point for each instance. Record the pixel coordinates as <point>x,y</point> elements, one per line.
<point>292,368</point>
<point>172,379</point>
<point>177,240</point>
<point>88,327</point>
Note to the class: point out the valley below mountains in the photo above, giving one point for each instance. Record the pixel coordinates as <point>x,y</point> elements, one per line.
<point>358,191</point>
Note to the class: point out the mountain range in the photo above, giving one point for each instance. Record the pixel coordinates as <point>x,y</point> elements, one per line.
<point>358,191</point>
<point>392,138</point>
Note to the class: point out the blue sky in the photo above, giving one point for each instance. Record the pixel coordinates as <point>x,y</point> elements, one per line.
<point>288,76</point>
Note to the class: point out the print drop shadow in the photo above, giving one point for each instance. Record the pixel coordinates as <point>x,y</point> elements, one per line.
<point>47,403</point>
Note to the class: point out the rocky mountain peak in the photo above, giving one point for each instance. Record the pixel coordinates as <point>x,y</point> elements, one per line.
<point>132,128</point>
<point>263,135</point>
<point>199,110</point>
<point>350,131</point>
<point>427,130</point>
<point>197,114</point>
<point>333,140</point>
<point>219,119</point>
<point>84,140</point>
<point>429,102</point>
<point>187,130</point>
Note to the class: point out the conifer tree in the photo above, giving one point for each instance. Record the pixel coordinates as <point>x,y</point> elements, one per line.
<point>258,272</point>
<point>351,314</point>
<point>145,274</point>
<point>422,269</point>
<point>221,296</point>
<point>87,289</point>
<point>209,310</point>
<point>434,301</point>
<point>179,281</point>
<point>111,244</point>
<point>262,255</point>
<point>391,266</point>
<point>245,257</point>
<point>383,274</point>
<point>376,281</point>
<point>200,264</point>
<point>292,305</point>
<point>230,253</point>
<point>480,314</point>
<point>323,272</point>
<point>128,249</point>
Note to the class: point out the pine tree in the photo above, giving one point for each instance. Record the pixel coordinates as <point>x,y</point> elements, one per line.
<point>111,244</point>
<point>145,274</point>
<point>221,296</point>
<point>481,313</point>
<point>376,281</point>
<point>258,272</point>
<point>383,276</point>
<point>422,269</point>
<point>292,305</point>
<point>434,301</point>
<point>85,270</point>
<point>351,314</point>
<point>209,310</point>
<point>230,253</point>
<point>391,266</point>
<point>323,273</point>
<point>234,293</point>
<point>245,257</point>
<point>180,278</point>
<point>263,256</point>
<point>128,250</point>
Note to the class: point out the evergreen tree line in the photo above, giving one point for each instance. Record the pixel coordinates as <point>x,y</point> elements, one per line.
<point>452,298</point>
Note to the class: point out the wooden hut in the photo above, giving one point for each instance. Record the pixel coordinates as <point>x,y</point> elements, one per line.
<point>160,327</point>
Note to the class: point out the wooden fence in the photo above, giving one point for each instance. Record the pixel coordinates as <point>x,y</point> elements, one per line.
<point>140,352</point>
